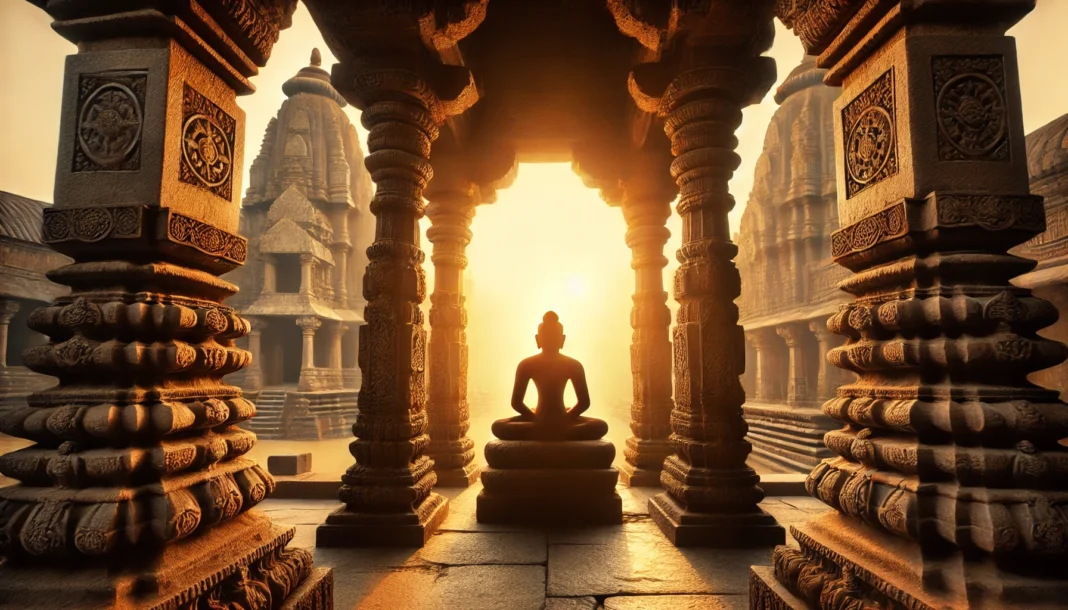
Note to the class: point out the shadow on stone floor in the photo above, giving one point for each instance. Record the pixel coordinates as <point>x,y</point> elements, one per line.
<point>474,566</point>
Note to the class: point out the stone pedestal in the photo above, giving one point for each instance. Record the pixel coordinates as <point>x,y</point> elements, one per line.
<point>712,495</point>
<point>555,483</point>
<point>948,482</point>
<point>136,492</point>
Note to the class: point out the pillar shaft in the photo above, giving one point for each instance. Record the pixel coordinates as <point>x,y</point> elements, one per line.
<point>335,345</point>
<point>948,466</point>
<point>830,376</point>
<point>712,495</point>
<point>795,336</point>
<point>137,491</point>
<point>8,309</point>
<point>450,211</point>
<point>767,365</point>
<point>650,351</point>
<point>307,266</point>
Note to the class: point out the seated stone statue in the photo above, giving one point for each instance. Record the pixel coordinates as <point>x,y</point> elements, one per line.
<point>550,371</point>
<point>550,465</point>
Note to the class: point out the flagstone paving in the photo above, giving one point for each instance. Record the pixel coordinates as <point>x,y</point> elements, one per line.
<point>471,566</point>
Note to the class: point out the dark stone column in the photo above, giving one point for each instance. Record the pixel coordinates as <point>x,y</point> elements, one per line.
<point>136,492</point>
<point>712,495</point>
<point>451,209</point>
<point>950,485</point>
<point>405,97</point>
<point>646,202</point>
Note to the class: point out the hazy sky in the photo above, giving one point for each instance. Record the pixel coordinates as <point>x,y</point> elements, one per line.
<point>579,267</point>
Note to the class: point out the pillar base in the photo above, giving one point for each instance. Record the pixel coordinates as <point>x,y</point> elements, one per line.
<point>458,477</point>
<point>765,593</point>
<point>243,558</point>
<point>636,476</point>
<point>347,528</point>
<point>717,530</point>
<point>843,557</point>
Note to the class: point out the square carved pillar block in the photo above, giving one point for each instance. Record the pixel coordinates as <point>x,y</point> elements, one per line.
<point>948,479</point>
<point>136,491</point>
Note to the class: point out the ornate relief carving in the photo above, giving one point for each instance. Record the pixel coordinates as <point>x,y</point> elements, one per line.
<point>207,144</point>
<point>91,224</point>
<point>991,212</point>
<point>882,226</point>
<point>208,239</point>
<point>972,112</point>
<point>815,22</point>
<point>870,130</point>
<point>111,108</point>
<point>260,24</point>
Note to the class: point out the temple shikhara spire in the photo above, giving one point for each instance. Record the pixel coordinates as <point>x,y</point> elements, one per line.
<point>306,215</point>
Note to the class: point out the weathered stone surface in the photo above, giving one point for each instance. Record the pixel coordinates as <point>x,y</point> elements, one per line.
<point>677,602</point>
<point>434,588</point>
<point>548,454</point>
<point>484,548</point>
<point>571,603</point>
<point>638,563</point>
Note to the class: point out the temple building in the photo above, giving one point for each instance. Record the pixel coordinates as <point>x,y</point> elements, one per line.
<point>1047,163</point>
<point>789,283</point>
<point>24,261</point>
<point>306,216</point>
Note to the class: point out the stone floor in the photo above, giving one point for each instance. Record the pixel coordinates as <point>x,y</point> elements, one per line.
<point>472,566</point>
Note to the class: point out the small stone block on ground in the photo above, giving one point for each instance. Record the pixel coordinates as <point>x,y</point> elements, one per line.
<point>290,464</point>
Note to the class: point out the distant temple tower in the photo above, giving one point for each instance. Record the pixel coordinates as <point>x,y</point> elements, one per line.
<point>24,261</point>
<point>307,220</point>
<point>789,284</point>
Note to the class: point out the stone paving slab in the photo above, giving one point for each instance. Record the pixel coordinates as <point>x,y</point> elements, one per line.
<point>677,602</point>
<point>471,566</point>
<point>441,588</point>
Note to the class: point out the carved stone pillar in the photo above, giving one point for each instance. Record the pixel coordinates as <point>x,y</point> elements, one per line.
<point>270,274</point>
<point>950,486</point>
<point>830,377</point>
<point>337,332</point>
<point>307,268</point>
<point>254,373</point>
<point>647,195</point>
<point>308,326</point>
<point>8,309</point>
<point>451,209</point>
<point>136,492</point>
<point>712,495</point>
<point>768,369</point>
<point>796,337</point>
<point>388,493</point>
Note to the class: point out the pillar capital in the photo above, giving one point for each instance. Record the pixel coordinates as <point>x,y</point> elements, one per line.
<point>309,325</point>
<point>8,309</point>
<point>819,328</point>
<point>793,334</point>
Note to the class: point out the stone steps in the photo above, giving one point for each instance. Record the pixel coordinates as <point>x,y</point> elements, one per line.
<point>267,424</point>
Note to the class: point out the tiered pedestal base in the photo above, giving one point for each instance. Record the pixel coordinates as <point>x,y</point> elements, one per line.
<point>719,530</point>
<point>242,562</point>
<point>843,558</point>
<point>559,483</point>
<point>347,528</point>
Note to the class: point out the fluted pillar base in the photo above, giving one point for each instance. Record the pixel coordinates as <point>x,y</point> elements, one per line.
<point>715,530</point>
<point>841,558</point>
<point>242,562</point>
<point>347,528</point>
<point>454,461</point>
<point>644,461</point>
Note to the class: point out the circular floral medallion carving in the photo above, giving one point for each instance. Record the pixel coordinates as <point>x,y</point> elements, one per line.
<point>869,144</point>
<point>91,224</point>
<point>127,221</point>
<point>109,124</point>
<point>866,234</point>
<point>206,150</point>
<point>56,227</point>
<point>971,113</point>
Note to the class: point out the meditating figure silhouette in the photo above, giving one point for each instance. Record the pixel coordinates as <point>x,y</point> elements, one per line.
<point>550,465</point>
<point>550,371</point>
